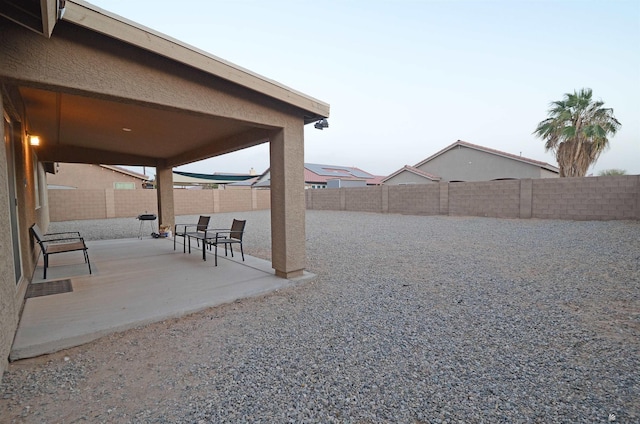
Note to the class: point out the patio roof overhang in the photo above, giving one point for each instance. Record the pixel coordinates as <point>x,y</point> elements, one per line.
<point>99,89</point>
<point>106,90</point>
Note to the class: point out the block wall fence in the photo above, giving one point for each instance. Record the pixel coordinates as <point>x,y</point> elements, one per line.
<point>69,205</point>
<point>589,198</point>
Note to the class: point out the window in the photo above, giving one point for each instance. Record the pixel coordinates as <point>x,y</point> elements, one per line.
<point>124,186</point>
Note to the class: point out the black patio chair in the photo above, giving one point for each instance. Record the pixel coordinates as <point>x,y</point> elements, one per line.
<point>226,238</point>
<point>53,243</point>
<point>190,230</point>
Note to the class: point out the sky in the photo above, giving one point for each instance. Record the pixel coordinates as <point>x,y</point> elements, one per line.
<point>406,78</point>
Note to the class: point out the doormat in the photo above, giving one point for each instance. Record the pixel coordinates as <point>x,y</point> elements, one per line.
<point>49,287</point>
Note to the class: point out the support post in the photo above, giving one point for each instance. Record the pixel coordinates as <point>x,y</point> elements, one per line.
<point>288,250</point>
<point>164,185</point>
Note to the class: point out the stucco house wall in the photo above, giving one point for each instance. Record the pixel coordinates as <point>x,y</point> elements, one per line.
<point>28,178</point>
<point>8,304</point>
<point>545,173</point>
<point>466,164</point>
<point>89,176</point>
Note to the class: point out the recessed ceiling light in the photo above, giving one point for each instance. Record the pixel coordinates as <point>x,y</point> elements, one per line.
<point>126,129</point>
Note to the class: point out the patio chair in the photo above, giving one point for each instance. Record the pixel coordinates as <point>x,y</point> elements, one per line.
<point>227,237</point>
<point>53,243</point>
<point>190,230</point>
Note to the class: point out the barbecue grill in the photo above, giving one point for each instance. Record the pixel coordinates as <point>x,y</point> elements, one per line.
<point>146,217</point>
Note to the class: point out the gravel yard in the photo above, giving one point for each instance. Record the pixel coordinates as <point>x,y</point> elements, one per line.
<point>412,319</point>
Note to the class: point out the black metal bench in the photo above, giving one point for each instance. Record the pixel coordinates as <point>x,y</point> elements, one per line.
<point>53,243</point>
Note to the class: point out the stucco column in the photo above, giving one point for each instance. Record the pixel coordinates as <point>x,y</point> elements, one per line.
<point>288,250</point>
<point>164,184</point>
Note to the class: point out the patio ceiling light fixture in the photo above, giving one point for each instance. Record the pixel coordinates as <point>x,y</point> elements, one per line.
<point>34,140</point>
<point>322,124</point>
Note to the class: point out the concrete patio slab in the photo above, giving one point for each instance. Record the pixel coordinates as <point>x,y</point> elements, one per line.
<point>134,282</point>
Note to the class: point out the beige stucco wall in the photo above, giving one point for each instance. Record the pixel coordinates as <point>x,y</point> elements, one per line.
<point>286,153</point>
<point>466,164</point>
<point>8,304</point>
<point>88,176</point>
<point>32,207</point>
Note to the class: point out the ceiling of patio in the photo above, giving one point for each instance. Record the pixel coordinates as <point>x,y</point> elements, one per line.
<point>125,132</point>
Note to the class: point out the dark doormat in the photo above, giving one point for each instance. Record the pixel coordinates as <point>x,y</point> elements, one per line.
<point>48,287</point>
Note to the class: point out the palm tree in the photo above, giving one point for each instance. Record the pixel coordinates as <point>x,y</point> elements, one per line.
<point>576,131</point>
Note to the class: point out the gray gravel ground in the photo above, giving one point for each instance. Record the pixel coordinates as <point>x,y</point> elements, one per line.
<point>412,319</point>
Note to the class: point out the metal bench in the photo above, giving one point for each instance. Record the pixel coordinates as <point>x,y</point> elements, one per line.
<point>53,243</point>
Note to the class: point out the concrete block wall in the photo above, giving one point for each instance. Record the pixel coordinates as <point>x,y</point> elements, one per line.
<point>68,205</point>
<point>131,203</point>
<point>420,199</point>
<point>263,199</point>
<point>486,198</point>
<point>327,199</point>
<point>590,198</point>
<point>363,199</point>
<point>193,202</point>
<point>594,198</point>
<point>235,201</point>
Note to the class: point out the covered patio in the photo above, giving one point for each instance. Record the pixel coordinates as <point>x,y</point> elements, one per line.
<point>134,282</point>
<point>79,84</point>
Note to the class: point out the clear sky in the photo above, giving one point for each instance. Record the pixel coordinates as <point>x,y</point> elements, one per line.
<point>406,78</point>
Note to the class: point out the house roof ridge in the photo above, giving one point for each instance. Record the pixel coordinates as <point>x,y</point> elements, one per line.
<point>126,171</point>
<point>511,155</point>
<point>421,172</point>
<point>488,150</point>
<point>413,170</point>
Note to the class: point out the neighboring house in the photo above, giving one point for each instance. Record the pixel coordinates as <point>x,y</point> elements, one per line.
<point>329,176</point>
<point>462,161</point>
<point>88,176</point>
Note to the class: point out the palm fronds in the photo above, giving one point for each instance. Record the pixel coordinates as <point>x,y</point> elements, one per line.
<point>577,131</point>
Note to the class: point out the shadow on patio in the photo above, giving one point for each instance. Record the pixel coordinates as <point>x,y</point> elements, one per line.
<point>134,282</point>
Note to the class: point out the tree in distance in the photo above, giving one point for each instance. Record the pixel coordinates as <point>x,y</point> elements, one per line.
<point>606,172</point>
<point>577,131</point>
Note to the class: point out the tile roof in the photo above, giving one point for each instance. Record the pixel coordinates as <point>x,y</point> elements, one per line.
<point>492,151</point>
<point>413,170</point>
